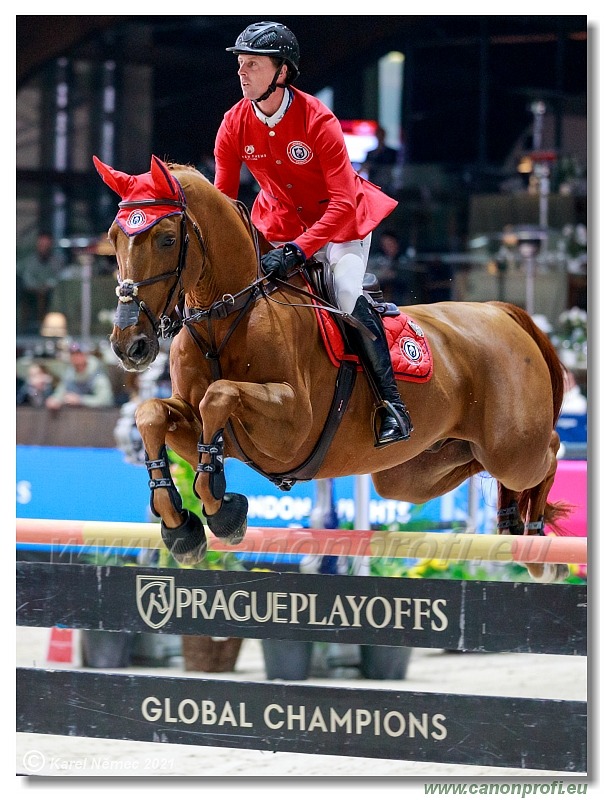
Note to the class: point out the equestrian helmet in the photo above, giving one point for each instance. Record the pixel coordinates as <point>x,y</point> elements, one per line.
<point>270,39</point>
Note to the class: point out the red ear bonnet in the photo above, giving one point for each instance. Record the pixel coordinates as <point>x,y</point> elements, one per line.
<point>146,198</point>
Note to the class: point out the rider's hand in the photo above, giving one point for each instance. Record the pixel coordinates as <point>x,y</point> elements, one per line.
<point>282,260</point>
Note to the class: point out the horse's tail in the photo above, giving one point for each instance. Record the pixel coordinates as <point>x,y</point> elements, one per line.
<point>553,511</point>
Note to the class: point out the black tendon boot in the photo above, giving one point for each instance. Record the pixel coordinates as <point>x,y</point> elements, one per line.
<point>375,356</point>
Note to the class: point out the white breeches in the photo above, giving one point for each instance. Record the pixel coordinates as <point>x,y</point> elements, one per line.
<point>348,263</point>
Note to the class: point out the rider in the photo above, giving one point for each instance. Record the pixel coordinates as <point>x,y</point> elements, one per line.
<point>311,201</point>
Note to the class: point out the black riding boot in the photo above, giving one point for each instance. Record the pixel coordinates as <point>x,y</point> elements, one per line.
<point>375,356</point>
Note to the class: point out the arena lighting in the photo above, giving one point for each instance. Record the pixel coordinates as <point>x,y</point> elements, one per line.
<point>395,56</point>
<point>391,69</point>
<point>525,165</point>
<point>359,137</point>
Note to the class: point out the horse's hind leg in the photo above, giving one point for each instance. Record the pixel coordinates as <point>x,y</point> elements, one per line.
<point>525,513</point>
<point>509,519</point>
<point>537,517</point>
<point>158,422</point>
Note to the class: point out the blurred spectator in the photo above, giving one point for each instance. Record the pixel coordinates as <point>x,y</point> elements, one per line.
<point>38,385</point>
<point>379,165</point>
<point>154,382</point>
<point>399,277</point>
<point>163,382</point>
<point>84,383</point>
<point>54,334</point>
<point>37,276</point>
<point>54,325</point>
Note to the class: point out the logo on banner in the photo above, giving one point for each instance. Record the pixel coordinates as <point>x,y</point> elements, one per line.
<point>155,599</point>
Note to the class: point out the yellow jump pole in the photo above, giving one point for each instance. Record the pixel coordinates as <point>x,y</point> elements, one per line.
<point>302,541</point>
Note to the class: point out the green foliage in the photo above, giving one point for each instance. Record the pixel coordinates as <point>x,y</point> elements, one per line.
<point>183,476</point>
<point>460,570</point>
<point>447,570</point>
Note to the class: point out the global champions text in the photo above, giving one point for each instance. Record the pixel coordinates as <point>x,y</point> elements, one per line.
<point>289,717</point>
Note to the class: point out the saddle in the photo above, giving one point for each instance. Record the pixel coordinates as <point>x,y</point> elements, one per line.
<point>409,348</point>
<point>322,283</point>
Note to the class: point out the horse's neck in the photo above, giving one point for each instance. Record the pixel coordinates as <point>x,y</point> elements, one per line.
<point>230,260</point>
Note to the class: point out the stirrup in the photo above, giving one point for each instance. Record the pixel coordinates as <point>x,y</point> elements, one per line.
<point>402,418</point>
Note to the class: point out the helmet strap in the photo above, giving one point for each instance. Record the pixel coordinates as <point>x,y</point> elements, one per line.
<point>272,86</point>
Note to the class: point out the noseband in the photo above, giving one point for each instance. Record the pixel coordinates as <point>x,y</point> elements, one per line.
<point>130,306</point>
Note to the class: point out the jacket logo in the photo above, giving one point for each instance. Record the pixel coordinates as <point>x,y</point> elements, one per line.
<point>299,152</point>
<point>249,149</point>
<point>155,599</point>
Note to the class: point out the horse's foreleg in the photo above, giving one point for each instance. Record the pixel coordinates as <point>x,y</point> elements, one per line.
<point>159,421</point>
<point>272,416</point>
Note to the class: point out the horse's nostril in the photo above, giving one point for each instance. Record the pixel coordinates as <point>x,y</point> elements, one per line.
<point>138,350</point>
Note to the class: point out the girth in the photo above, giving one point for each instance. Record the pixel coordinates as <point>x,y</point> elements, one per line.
<point>306,471</point>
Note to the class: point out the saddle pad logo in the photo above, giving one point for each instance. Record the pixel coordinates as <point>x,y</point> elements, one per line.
<point>410,349</point>
<point>415,328</point>
<point>137,218</point>
<point>299,152</point>
<point>155,599</point>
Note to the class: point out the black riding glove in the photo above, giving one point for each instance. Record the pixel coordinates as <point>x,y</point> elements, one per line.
<point>282,260</point>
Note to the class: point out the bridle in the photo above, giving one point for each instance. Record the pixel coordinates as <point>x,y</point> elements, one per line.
<point>130,305</point>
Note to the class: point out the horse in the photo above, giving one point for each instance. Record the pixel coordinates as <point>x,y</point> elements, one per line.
<point>252,378</point>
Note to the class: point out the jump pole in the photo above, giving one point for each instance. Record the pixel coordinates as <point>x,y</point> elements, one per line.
<point>303,542</point>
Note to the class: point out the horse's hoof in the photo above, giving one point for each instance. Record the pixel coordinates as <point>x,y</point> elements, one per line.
<point>230,521</point>
<point>551,573</point>
<point>187,543</point>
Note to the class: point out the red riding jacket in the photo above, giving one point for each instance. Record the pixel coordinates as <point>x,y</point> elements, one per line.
<point>309,192</point>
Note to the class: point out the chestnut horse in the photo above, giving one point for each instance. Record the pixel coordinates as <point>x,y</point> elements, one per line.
<point>252,380</point>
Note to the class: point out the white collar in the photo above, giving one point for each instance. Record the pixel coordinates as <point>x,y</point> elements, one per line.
<point>279,113</point>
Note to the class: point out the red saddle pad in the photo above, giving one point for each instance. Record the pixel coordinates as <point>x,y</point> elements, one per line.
<point>409,349</point>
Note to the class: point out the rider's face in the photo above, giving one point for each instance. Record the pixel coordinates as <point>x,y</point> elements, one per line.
<point>255,74</point>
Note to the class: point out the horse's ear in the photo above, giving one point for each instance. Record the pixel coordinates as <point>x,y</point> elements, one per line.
<point>161,177</point>
<point>118,181</point>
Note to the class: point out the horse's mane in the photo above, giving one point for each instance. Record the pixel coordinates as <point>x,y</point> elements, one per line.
<point>235,205</point>
<point>175,167</point>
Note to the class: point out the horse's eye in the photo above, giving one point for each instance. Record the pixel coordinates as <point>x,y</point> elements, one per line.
<point>168,241</point>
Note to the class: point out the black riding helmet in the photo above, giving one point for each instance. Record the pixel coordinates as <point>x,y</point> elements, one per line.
<point>270,39</point>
